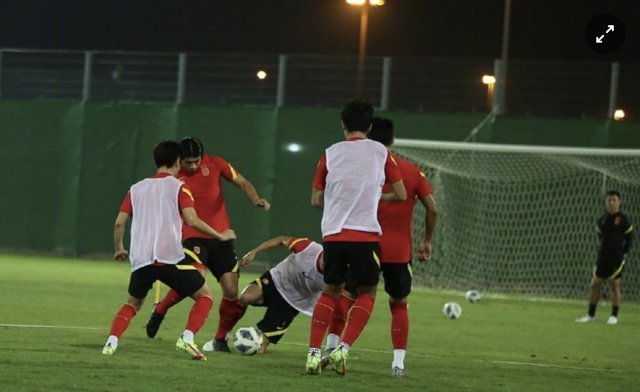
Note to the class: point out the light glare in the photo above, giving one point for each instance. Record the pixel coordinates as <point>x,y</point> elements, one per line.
<point>488,79</point>
<point>294,147</point>
<point>261,75</point>
<point>618,114</point>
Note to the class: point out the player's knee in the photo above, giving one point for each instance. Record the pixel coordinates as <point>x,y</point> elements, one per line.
<point>398,301</point>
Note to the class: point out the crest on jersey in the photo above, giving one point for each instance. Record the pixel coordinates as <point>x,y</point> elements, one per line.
<point>205,171</point>
<point>265,281</point>
<point>616,221</point>
<point>196,250</point>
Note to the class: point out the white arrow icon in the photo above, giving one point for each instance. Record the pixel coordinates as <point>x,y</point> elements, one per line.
<point>610,28</point>
<point>599,39</point>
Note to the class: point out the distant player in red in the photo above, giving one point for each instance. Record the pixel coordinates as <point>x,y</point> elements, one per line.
<point>348,186</point>
<point>203,174</point>
<point>396,246</point>
<point>159,205</point>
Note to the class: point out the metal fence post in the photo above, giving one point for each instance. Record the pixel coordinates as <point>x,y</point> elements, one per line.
<point>182,78</point>
<point>0,73</point>
<point>86,81</point>
<point>282,80</point>
<point>386,82</point>
<point>613,88</point>
<point>496,101</point>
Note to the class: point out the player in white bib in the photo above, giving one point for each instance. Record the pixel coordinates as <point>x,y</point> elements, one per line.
<point>292,286</point>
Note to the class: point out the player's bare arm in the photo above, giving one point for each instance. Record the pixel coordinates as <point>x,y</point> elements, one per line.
<point>317,198</point>
<point>118,235</point>
<point>247,187</point>
<point>399,192</point>
<point>269,244</point>
<point>192,219</point>
<point>431,215</point>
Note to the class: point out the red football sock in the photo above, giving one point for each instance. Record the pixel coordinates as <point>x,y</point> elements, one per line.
<point>199,313</point>
<point>169,300</point>
<point>358,318</point>
<point>122,319</point>
<point>230,312</point>
<point>340,315</point>
<point>399,325</point>
<point>322,316</point>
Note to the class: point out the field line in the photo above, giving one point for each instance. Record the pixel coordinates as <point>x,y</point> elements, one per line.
<point>554,366</point>
<point>47,326</point>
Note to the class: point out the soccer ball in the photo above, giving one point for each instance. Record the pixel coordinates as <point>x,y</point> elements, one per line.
<point>247,340</point>
<point>472,296</point>
<point>452,310</point>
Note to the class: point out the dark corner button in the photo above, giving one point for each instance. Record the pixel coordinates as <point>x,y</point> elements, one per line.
<point>604,33</point>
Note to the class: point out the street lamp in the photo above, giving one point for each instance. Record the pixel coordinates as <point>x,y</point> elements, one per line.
<point>364,19</point>
<point>490,81</point>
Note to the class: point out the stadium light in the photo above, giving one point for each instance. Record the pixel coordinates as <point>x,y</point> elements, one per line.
<point>364,19</point>
<point>261,75</point>
<point>618,115</point>
<point>490,81</point>
<point>294,147</point>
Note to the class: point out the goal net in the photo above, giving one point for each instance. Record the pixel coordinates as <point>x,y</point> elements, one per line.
<point>521,219</point>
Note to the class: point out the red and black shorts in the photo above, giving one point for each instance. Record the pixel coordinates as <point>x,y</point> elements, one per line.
<point>279,313</point>
<point>360,259</point>
<point>182,277</point>
<point>218,256</point>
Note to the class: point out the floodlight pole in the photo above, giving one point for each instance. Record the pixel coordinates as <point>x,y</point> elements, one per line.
<point>362,48</point>
<point>501,82</point>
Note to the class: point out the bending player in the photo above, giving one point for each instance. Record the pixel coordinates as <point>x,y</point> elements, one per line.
<point>291,287</point>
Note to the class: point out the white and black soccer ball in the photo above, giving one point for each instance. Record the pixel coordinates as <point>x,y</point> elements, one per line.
<point>452,310</point>
<point>472,296</point>
<point>247,340</point>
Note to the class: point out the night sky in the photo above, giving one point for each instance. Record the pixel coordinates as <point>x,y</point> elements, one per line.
<point>541,29</point>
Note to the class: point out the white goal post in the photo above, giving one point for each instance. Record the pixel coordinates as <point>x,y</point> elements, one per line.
<point>521,219</point>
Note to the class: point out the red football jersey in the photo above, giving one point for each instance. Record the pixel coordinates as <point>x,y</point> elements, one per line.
<point>206,189</point>
<point>396,217</point>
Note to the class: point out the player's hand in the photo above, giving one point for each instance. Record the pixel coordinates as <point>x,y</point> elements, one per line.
<point>121,255</point>
<point>424,250</point>
<point>228,235</point>
<point>248,258</point>
<point>263,203</point>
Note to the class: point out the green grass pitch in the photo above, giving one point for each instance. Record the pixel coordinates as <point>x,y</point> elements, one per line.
<point>499,344</point>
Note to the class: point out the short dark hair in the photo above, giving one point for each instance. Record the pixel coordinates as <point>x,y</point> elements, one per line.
<point>191,147</point>
<point>166,153</point>
<point>381,131</point>
<point>357,115</point>
<point>613,193</point>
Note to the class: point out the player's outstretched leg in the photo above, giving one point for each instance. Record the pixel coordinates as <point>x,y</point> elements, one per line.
<point>118,326</point>
<point>399,335</point>
<point>160,310</point>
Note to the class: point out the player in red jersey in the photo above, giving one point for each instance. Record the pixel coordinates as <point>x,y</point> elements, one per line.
<point>159,205</point>
<point>203,174</point>
<point>396,249</point>
<point>348,186</point>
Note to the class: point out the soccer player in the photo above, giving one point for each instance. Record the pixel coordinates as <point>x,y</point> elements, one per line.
<point>395,249</point>
<point>614,230</point>
<point>203,173</point>
<point>290,287</point>
<point>348,186</point>
<point>156,204</point>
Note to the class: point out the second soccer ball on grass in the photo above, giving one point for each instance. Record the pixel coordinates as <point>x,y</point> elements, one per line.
<point>472,296</point>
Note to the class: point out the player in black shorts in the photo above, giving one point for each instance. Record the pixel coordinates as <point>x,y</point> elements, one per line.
<point>614,230</point>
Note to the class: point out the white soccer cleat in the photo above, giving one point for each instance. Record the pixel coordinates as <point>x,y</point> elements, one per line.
<point>208,346</point>
<point>585,319</point>
<point>613,320</point>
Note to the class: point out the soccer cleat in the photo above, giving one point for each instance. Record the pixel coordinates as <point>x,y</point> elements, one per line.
<point>108,349</point>
<point>613,320</point>
<point>208,346</point>
<point>397,372</point>
<point>190,348</point>
<point>153,324</point>
<point>313,364</point>
<point>585,319</point>
<point>338,358</point>
<point>324,359</point>
<point>221,345</point>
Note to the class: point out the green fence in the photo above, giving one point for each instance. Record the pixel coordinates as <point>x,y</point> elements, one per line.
<point>67,166</point>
